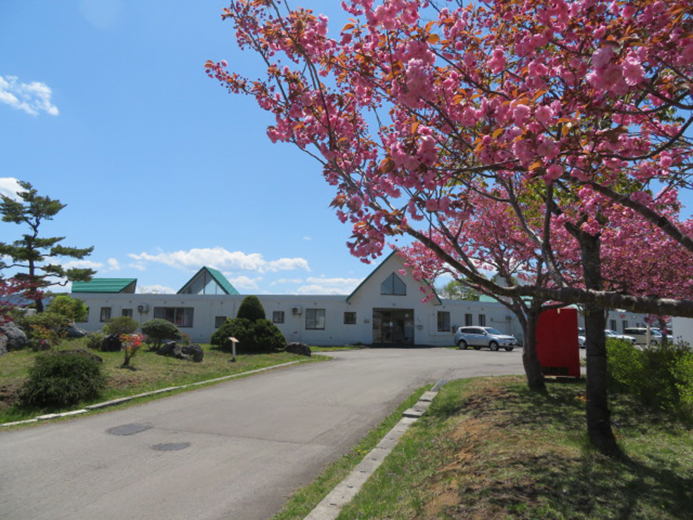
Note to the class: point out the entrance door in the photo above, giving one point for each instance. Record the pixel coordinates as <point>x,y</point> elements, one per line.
<point>393,326</point>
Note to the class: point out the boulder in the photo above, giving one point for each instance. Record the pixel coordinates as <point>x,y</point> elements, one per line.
<point>188,352</point>
<point>11,338</point>
<point>111,343</point>
<point>195,352</point>
<point>298,348</point>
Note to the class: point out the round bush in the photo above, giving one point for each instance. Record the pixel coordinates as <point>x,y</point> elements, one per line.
<point>95,340</point>
<point>157,330</point>
<point>259,336</point>
<point>121,325</point>
<point>62,379</point>
<point>251,309</point>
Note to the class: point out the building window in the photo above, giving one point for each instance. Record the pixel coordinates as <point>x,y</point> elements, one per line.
<point>613,324</point>
<point>468,320</point>
<point>105,314</point>
<point>443,321</point>
<point>179,316</point>
<point>315,319</point>
<point>394,286</point>
<point>126,312</point>
<point>349,318</point>
<point>278,317</point>
<point>625,326</point>
<point>482,320</point>
<point>219,321</point>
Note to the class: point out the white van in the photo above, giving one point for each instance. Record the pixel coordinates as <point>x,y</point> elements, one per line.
<point>640,335</point>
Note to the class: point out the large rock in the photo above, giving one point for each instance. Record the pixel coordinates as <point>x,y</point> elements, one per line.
<point>299,348</point>
<point>188,352</point>
<point>111,343</point>
<point>11,338</point>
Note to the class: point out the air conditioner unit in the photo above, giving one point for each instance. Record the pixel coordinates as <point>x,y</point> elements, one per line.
<point>143,309</point>
<point>296,310</point>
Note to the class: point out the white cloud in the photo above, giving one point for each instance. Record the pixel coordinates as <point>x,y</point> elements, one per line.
<point>287,280</point>
<point>155,289</point>
<point>32,98</point>
<point>245,283</point>
<point>329,286</point>
<point>81,264</point>
<point>220,258</point>
<point>113,264</point>
<point>307,239</point>
<point>9,186</point>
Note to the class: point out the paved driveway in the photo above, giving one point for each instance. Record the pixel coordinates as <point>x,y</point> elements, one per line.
<point>236,450</point>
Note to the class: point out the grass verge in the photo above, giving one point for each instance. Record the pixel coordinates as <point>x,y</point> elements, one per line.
<point>489,449</point>
<point>150,372</point>
<point>304,500</point>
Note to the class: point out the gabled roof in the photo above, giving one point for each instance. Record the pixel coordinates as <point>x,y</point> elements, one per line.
<point>215,275</point>
<point>106,285</point>
<point>437,299</point>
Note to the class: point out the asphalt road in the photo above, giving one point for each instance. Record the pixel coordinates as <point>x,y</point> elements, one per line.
<point>236,450</point>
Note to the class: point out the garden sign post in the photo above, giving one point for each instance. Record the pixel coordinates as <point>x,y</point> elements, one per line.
<point>234,341</point>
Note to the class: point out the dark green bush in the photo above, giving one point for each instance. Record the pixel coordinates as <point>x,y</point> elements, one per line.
<point>157,330</point>
<point>251,309</point>
<point>239,328</point>
<point>267,336</point>
<point>259,336</point>
<point>121,325</point>
<point>660,377</point>
<point>62,379</point>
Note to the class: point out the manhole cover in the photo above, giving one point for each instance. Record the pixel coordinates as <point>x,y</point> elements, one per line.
<point>171,447</point>
<point>128,429</point>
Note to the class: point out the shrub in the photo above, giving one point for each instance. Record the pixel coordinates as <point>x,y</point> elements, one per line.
<point>660,377</point>
<point>121,325</point>
<point>251,309</point>
<point>95,340</point>
<point>239,328</point>
<point>267,336</point>
<point>62,379</point>
<point>46,325</point>
<point>71,308</point>
<point>259,336</point>
<point>157,330</point>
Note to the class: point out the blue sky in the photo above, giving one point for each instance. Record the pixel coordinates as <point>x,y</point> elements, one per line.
<point>104,105</point>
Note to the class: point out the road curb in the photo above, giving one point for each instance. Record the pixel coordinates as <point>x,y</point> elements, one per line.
<point>344,492</point>
<point>121,400</point>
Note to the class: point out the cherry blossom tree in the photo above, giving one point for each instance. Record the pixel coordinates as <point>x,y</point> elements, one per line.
<point>564,113</point>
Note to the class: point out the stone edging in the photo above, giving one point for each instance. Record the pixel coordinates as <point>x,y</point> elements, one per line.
<point>344,492</point>
<point>145,394</point>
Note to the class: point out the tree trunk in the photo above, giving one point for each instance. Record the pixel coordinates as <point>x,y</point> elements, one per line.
<point>598,414</point>
<point>530,359</point>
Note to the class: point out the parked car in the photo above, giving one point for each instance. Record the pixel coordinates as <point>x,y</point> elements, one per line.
<point>640,335</point>
<point>615,335</point>
<point>479,337</point>
<point>582,339</point>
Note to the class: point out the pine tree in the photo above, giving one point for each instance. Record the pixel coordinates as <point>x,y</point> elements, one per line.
<point>31,251</point>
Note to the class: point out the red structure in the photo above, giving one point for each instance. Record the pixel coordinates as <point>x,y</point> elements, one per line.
<point>557,343</point>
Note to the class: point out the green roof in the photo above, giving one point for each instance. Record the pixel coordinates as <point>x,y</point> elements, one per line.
<point>105,285</point>
<point>216,275</point>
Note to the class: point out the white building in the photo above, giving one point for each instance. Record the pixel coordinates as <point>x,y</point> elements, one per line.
<point>385,309</point>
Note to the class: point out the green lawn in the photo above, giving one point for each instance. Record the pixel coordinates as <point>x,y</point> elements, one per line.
<point>488,449</point>
<point>151,372</point>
